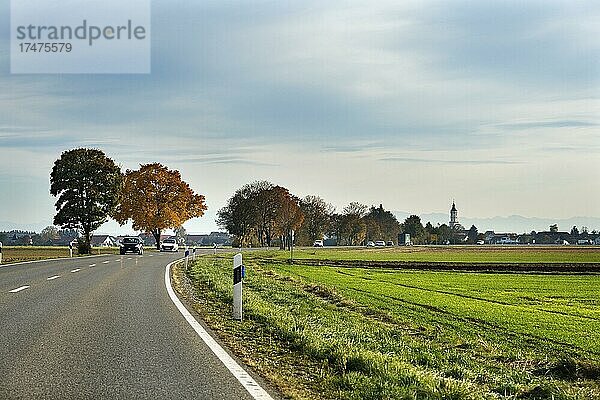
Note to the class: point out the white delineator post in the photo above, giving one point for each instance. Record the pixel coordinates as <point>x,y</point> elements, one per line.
<point>70,249</point>
<point>237,286</point>
<point>187,255</point>
<point>0,252</point>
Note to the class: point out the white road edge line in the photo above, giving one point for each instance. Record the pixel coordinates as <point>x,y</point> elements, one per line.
<point>19,289</point>
<point>53,277</point>
<point>238,372</point>
<point>76,270</point>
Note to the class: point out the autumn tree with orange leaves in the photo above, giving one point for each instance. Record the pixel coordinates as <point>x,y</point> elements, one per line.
<point>155,198</point>
<point>289,216</point>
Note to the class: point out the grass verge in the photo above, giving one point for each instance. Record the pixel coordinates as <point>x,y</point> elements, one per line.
<point>16,254</point>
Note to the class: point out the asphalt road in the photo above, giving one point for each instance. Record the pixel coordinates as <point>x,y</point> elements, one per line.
<point>102,328</point>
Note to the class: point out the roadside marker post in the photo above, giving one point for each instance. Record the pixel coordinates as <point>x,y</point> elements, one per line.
<point>194,253</point>
<point>71,250</point>
<point>0,252</point>
<point>238,274</point>
<point>187,255</point>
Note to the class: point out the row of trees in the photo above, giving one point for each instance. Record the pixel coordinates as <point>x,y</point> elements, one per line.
<point>261,213</point>
<point>90,187</point>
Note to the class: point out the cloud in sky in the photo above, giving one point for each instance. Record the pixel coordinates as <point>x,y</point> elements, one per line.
<point>492,103</point>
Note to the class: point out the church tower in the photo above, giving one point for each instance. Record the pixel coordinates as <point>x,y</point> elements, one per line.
<point>453,216</point>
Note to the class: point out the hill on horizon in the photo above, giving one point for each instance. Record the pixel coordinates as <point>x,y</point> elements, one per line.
<point>511,223</point>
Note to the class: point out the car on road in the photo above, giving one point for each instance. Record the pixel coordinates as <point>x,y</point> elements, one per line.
<point>131,244</point>
<point>318,243</point>
<point>169,245</point>
<point>379,243</point>
<point>389,243</point>
<point>370,244</point>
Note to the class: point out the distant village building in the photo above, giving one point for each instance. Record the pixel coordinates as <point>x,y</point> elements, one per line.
<point>218,238</point>
<point>103,241</point>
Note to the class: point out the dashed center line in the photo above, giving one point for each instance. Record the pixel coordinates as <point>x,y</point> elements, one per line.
<point>76,270</point>
<point>105,262</point>
<point>19,289</point>
<point>118,259</point>
<point>92,265</point>
<point>53,277</point>
<point>129,258</point>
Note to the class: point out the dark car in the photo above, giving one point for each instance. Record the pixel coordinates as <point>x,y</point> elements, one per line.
<point>132,244</point>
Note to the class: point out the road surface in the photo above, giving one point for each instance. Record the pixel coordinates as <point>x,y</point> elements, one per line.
<point>102,328</point>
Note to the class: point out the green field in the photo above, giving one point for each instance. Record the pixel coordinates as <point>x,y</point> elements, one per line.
<point>456,254</point>
<point>34,253</point>
<point>331,332</point>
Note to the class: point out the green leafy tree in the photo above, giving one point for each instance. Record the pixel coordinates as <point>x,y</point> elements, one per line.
<point>381,224</point>
<point>87,184</point>
<point>180,234</point>
<point>49,234</point>
<point>553,228</point>
<point>414,226</point>
<point>445,234</point>
<point>239,217</point>
<point>472,234</point>
<point>352,226</point>
<point>317,219</point>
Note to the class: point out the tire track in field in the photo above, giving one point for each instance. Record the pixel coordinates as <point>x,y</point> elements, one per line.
<point>480,322</point>
<point>563,313</point>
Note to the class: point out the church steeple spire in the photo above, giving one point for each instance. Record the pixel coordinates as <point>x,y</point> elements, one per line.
<point>453,215</point>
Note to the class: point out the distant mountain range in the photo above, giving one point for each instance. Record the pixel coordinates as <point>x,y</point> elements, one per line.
<point>511,223</point>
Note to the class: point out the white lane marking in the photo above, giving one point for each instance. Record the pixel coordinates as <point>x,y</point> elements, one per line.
<point>238,372</point>
<point>119,259</point>
<point>105,262</point>
<point>76,270</point>
<point>18,289</point>
<point>92,265</point>
<point>53,277</point>
<point>150,255</point>
<point>129,258</point>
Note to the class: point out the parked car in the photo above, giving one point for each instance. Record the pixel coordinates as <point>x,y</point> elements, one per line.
<point>318,243</point>
<point>480,242</point>
<point>389,243</point>
<point>380,243</point>
<point>131,244</point>
<point>370,244</point>
<point>169,245</point>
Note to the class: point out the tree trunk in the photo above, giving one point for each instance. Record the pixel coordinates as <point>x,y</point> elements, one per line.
<point>156,234</point>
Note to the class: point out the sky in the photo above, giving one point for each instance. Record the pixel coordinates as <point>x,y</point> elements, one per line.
<point>412,104</point>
